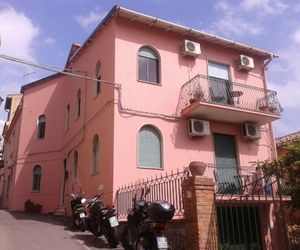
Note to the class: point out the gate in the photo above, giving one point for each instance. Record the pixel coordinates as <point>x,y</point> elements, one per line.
<point>252,213</point>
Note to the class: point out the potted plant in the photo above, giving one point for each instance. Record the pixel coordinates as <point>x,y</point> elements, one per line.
<point>197,168</point>
<point>196,95</point>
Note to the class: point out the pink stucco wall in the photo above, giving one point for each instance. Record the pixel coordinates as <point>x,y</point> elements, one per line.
<point>116,46</point>
<point>178,148</point>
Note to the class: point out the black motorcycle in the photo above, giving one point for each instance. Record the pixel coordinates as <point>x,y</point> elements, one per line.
<point>102,220</point>
<point>146,224</point>
<point>78,212</point>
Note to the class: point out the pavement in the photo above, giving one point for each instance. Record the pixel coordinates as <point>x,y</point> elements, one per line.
<point>20,230</point>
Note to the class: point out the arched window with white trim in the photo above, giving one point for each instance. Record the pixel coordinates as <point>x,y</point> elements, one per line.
<point>95,156</point>
<point>78,103</point>
<point>75,166</point>
<point>98,77</point>
<point>148,65</point>
<point>149,147</point>
<point>41,127</point>
<point>36,178</point>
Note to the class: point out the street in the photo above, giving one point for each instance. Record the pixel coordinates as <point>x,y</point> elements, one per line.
<point>19,230</point>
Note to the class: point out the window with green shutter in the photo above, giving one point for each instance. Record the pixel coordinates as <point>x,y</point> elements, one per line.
<point>150,147</point>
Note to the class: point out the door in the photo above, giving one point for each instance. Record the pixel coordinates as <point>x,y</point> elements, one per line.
<point>63,182</point>
<point>219,82</point>
<point>226,164</point>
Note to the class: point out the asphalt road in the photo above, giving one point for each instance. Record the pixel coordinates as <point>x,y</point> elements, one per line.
<point>22,231</point>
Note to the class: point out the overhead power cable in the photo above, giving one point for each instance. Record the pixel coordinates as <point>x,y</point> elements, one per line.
<point>40,66</point>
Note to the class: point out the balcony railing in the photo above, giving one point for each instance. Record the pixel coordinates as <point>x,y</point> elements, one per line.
<point>227,93</point>
<point>244,181</point>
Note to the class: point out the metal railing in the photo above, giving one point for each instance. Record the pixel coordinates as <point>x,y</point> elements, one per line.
<point>244,181</point>
<point>255,207</point>
<point>227,93</point>
<point>164,187</point>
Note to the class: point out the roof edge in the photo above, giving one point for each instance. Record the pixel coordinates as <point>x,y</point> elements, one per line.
<point>33,84</point>
<point>121,11</point>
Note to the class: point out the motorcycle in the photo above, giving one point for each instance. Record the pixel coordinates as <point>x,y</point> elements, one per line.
<point>102,220</point>
<point>146,224</point>
<point>78,211</point>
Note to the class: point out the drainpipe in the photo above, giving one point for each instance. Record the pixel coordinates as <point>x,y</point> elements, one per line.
<point>273,154</point>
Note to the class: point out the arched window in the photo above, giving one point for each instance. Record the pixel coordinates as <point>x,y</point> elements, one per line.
<point>67,125</point>
<point>78,103</point>
<point>95,158</point>
<point>41,128</point>
<point>150,147</point>
<point>75,165</point>
<point>36,179</point>
<point>98,77</point>
<point>148,65</point>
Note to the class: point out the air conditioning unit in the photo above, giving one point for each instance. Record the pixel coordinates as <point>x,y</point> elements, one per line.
<point>198,127</point>
<point>250,131</point>
<point>190,48</point>
<point>245,63</point>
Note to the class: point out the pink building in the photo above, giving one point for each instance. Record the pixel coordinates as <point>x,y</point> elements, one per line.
<point>166,95</point>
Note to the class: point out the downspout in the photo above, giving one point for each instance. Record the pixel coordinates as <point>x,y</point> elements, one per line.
<point>273,154</point>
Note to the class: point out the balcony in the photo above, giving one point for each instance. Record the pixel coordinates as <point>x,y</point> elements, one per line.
<point>245,181</point>
<point>216,99</point>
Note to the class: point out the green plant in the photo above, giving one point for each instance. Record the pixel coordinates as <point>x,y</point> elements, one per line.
<point>286,168</point>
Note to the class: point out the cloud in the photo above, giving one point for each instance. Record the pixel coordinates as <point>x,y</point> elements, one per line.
<point>50,41</point>
<point>286,81</point>
<point>264,7</point>
<point>236,26</point>
<point>296,36</point>
<point>90,21</point>
<point>237,20</point>
<point>17,33</point>
<point>287,78</point>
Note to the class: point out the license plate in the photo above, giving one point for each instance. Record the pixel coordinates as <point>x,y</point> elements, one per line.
<point>113,221</point>
<point>82,215</point>
<point>162,242</point>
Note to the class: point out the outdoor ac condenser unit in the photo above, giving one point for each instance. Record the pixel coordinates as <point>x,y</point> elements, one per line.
<point>190,48</point>
<point>198,127</point>
<point>250,131</point>
<point>245,63</point>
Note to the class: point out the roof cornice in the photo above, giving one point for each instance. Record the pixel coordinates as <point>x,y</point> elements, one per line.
<point>151,21</point>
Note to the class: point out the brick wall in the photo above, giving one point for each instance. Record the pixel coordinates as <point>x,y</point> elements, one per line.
<point>200,217</point>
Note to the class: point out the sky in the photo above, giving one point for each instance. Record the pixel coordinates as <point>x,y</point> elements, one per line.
<point>42,31</point>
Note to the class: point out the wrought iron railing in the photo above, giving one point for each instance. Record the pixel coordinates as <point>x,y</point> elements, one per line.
<point>244,181</point>
<point>227,93</point>
<point>164,187</point>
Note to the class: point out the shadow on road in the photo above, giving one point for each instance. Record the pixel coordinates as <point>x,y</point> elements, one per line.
<point>86,238</point>
<point>47,218</point>
<point>91,241</point>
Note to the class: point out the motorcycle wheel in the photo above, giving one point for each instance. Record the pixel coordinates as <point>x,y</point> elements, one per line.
<point>125,238</point>
<point>111,235</point>
<point>75,221</point>
<point>94,228</point>
<point>82,225</point>
<point>146,243</point>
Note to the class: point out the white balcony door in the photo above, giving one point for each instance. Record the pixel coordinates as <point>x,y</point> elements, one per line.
<point>219,82</point>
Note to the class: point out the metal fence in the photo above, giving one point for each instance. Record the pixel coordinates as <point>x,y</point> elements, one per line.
<point>254,217</point>
<point>164,187</point>
<point>227,93</point>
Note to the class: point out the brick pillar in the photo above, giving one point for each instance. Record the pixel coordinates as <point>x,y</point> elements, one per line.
<point>199,212</point>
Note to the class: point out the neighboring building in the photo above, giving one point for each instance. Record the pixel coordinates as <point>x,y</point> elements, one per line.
<point>10,134</point>
<point>154,79</point>
<point>285,140</point>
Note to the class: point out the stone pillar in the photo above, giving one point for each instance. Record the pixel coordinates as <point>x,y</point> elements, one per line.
<point>200,213</point>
